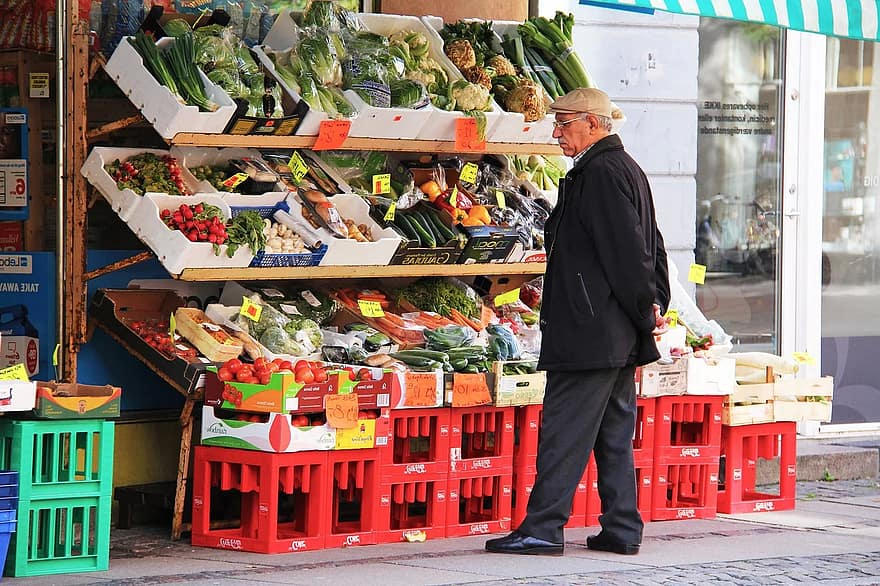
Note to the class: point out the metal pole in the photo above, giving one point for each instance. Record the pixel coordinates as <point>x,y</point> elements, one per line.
<point>60,149</point>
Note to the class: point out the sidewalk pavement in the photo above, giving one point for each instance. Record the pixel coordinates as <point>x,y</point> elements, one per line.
<point>832,537</point>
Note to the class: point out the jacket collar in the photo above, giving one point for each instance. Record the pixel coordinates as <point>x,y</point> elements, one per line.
<point>611,142</point>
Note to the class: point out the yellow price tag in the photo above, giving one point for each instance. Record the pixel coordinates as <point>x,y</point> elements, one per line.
<point>804,358</point>
<point>55,355</point>
<point>235,180</point>
<point>499,197</point>
<point>389,215</point>
<point>370,308</point>
<point>382,184</point>
<point>172,326</point>
<point>453,198</point>
<point>469,174</point>
<point>14,372</point>
<point>250,310</point>
<point>298,167</point>
<point>697,274</point>
<point>672,316</point>
<point>507,298</point>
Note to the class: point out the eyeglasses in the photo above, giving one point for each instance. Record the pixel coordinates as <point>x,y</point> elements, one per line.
<point>557,124</point>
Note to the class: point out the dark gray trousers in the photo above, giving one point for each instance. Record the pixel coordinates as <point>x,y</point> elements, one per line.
<point>584,411</point>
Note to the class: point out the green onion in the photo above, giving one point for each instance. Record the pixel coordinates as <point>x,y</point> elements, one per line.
<point>155,64</point>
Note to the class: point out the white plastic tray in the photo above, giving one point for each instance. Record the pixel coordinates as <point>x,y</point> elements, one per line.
<point>122,201</point>
<point>197,156</point>
<point>167,115</point>
<point>172,248</point>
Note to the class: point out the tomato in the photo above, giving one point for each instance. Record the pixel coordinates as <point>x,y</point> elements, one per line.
<point>364,375</point>
<point>300,421</point>
<point>272,367</point>
<point>224,374</point>
<point>350,371</point>
<point>320,376</point>
<point>362,414</point>
<point>255,419</point>
<point>233,365</point>
<point>260,363</point>
<point>251,380</point>
<point>372,415</point>
<point>318,421</point>
<point>305,376</point>
<point>265,377</point>
<point>244,374</point>
<point>285,365</point>
<point>301,364</point>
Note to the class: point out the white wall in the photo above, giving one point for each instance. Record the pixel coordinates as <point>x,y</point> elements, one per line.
<point>648,64</point>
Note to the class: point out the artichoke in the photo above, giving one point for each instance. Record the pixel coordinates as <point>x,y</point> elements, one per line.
<point>479,76</point>
<point>461,53</point>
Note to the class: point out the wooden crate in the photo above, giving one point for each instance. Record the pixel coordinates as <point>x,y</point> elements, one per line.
<point>803,399</point>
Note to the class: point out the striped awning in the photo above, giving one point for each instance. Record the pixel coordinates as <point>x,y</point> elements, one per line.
<point>855,19</point>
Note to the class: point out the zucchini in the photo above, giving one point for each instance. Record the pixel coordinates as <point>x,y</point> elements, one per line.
<point>445,232</point>
<point>404,224</point>
<point>432,354</point>
<point>458,364</point>
<point>417,361</point>
<point>424,233</point>
<point>429,226</point>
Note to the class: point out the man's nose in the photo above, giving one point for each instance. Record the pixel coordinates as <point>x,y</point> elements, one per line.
<point>557,132</point>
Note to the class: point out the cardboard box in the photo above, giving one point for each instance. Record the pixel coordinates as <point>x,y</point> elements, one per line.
<point>17,395</point>
<point>511,390</point>
<point>711,376</point>
<point>277,435</point>
<point>409,253</point>
<point>112,308</point>
<point>369,433</point>
<point>75,401</point>
<point>664,379</point>
<point>282,395</point>
<point>377,388</point>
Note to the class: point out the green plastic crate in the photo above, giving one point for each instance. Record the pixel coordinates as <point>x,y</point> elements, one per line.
<point>59,458</point>
<point>61,536</point>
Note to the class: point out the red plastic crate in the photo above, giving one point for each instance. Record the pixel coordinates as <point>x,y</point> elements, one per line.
<point>687,428</point>
<point>527,426</point>
<point>479,504</point>
<point>684,491</point>
<point>741,447</point>
<point>481,440</point>
<point>283,499</point>
<point>354,487</point>
<point>412,509</point>
<point>419,445</point>
<point>644,492</point>
<point>524,482</point>
<point>643,438</point>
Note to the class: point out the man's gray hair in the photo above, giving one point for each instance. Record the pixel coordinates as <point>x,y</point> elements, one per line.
<point>604,122</point>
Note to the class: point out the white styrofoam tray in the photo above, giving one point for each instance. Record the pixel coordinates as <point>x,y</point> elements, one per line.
<point>157,104</point>
<point>198,156</point>
<point>172,248</point>
<point>348,252</point>
<point>123,201</point>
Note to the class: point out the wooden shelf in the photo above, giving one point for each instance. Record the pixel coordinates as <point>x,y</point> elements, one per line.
<point>357,144</point>
<point>360,272</point>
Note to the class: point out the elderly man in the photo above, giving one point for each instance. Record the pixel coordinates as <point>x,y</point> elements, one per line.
<point>605,284</point>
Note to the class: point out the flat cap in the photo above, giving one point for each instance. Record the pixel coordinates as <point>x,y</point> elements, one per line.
<point>584,100</point>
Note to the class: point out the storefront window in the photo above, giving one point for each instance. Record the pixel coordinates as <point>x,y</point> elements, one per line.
<point>738,178</point>
<point>851,229</point>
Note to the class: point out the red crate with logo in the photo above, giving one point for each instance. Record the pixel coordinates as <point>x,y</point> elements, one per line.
<point>643,438</point>
<point>524,482</point>
<point>687,428</point>
<point>527,428</point>
<point>481,441</point>
<point>282,500</point>
<point>479,504</point>
<point>419,445</point>
<point>354,488</point>
<point>413,510</point>
<point>684,490</point>
<point>741,447</point>
<point>644,492</point>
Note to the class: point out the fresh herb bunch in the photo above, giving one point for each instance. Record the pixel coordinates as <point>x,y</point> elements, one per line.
<point>440,296</point>
<point>245,229</point>
<point>148,172</point>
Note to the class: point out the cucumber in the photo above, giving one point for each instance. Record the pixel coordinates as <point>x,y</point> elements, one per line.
<point>424,233</point>
<point>459,363</point>
<point>432,354</point>
<point>418,361</point>
<point>445,232</point>
<point>428,225</point>
<point>404,224</point>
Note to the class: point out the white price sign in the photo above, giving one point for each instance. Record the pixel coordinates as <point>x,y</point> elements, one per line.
<point>13,183</point>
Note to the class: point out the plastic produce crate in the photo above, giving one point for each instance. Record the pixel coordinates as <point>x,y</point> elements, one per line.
<point>419,446</point>
<point>354,497</point>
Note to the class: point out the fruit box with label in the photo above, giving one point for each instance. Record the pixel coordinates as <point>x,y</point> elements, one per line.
<point>664,379</point>
<point>115,309</point>
<point>375,387</point>
<point>370,432</point>
<point>277,434</point>
<point>17,395</point>
<point>281,395</point>
<point>511,390</point>
<point>75,401</point>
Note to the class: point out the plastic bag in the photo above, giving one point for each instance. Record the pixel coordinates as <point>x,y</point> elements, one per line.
<point>276,340</point>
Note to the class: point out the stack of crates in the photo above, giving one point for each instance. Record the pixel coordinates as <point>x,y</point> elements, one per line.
<point>65,489</point>
<point>687,449</point>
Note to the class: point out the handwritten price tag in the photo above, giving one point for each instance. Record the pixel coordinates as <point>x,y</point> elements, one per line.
<point>697,274</point>
<point>370,308</point>
<point>331,134</point>
<point>467,135</point>
<point>469,173</point>
<point>804,358</point>
<point>470,390</point>
<point>298,167</point>
<point>672,315</point>
<point>389,215</point>
<point>421,389</point>
<point>14,372</point>
<point>342,410</point>
<point>507,298</point>
<point>250,310</point>
<point>499,197</point>
<point>235,180</point>
<point>382,184</point>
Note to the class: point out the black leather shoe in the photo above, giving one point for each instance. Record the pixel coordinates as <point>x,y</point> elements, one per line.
<point>518,543</point>
<point>601,543</point>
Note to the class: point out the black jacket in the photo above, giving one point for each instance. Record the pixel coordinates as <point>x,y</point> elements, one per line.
<point>606,266</point>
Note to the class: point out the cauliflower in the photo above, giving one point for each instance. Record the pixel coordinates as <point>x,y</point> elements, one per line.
<point>425,77</point>
<point>527,98</point>
<point>417,42</point>
<point>470,96</point>
<point>479,76</point>
<point>461,53</point>
<point>501,65</point>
